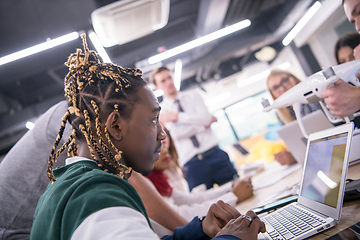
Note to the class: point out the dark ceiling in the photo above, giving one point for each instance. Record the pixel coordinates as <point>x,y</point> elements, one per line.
<point>31,85</point>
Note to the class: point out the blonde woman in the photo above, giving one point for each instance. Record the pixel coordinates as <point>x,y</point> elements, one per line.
<point>278,82</point>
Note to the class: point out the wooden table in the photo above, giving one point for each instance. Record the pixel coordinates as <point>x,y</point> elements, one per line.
<point>350,211</point>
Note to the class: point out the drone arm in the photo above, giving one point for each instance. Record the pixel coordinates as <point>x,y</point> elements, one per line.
<point>296,107</point>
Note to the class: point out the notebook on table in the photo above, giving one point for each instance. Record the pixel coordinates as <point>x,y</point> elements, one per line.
<point>293,137</point>
<point>321,189</point>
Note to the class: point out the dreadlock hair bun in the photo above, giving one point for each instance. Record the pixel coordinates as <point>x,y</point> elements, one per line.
<point>94,89</point>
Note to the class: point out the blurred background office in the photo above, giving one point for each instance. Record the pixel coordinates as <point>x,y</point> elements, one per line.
<point>229,72</point>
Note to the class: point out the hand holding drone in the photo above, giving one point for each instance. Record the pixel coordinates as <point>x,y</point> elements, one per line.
<point>309,90</point>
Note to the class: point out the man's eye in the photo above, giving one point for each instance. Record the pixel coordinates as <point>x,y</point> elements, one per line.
<point>156,120</point>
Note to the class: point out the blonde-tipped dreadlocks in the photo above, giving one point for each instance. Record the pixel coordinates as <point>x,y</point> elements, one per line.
<point>89,84</point>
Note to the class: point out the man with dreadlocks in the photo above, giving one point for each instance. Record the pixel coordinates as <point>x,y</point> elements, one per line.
<point>23,180</point>
<point>114,117</point>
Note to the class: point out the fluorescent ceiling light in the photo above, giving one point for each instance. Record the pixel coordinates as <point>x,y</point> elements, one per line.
<point>284,65</point>
<point>253,79</point>
<point>38,48</point>
<point>218,98</point>
<point>177,74</point>
<point>308,15</point>
<point>200,41</point>
<point>99,47</point>
<point>29,125</point>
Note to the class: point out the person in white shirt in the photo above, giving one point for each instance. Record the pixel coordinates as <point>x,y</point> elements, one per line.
<point>189,204</point>
<point>188,120</point>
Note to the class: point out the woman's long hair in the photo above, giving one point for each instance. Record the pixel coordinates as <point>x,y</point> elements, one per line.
<point>172,149</point>
<point>351,40</point>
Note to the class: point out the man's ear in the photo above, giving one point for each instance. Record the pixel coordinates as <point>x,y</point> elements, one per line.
<point>114,125</point>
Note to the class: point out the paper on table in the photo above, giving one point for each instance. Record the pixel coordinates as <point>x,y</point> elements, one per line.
<point>274,172</point>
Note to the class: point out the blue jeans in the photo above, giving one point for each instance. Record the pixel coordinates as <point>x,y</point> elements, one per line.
<point>212,168</point>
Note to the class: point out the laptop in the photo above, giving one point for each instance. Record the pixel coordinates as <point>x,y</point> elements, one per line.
<point>321,189</point>
<point>293,137</point>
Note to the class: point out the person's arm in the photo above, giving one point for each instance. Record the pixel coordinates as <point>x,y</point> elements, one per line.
<point>201,116</point>
<point>231,192</point>
<point>189,123</point>
<point>188,206</point>
<point>221,222</point>
<point>199,197</point>
<point>114,223</point>
<point>201,119</point>
<point>243,189</point>
<point>126,223</point>
<point>154,204</point>
<point>196,112</point>
<point>343,99</point>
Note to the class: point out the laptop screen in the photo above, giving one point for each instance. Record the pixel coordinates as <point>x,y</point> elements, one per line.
<point>323,170</point>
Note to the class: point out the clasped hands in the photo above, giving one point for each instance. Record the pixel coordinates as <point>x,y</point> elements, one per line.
<point>223,219</point>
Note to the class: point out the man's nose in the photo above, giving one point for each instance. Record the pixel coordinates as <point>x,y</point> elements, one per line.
<point>282,89</point>
<point>357,24</point>
<point>161,134</point>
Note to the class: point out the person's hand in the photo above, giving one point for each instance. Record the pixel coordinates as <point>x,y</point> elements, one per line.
<point>285,158</point>
<point>168,116</point>
<point>244,228</point>
<point>343,99</point>
<point>243,189</point>
<point>218,216</point>
<point>213,119</point>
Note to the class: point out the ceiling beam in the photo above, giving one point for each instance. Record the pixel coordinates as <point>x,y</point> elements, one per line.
<point>211,17</point>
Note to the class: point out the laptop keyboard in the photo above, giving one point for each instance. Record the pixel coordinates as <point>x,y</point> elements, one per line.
<point>290,222</point>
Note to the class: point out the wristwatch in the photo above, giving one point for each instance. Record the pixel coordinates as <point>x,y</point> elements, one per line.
<point>202,219</point>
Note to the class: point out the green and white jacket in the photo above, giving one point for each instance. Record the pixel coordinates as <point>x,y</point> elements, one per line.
<point>84,197</point>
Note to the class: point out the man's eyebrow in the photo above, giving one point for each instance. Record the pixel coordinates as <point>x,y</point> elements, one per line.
<point>355,9</point>
<point>158,109</point>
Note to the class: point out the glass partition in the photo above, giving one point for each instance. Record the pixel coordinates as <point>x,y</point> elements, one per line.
<point>244,119</point>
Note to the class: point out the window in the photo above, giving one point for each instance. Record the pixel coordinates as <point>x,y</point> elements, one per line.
<point>243,119</point>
